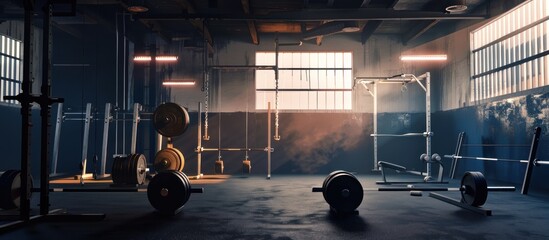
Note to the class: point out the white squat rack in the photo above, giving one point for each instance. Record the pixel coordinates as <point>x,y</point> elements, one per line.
<point>370,84</point>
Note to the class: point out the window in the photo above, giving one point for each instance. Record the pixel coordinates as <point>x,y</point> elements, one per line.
<point>307,80</point>
<point>509,54</point>
<point>10,68</point>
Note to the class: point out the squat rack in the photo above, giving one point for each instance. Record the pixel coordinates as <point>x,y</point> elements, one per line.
<point>428,157</point>
<point>44,99</point>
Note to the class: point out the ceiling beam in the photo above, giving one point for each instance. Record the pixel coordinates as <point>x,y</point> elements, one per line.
<point>197,24</point>
<point>323,15</point>
<point>251,24</point>
<point>152,25</point>
<point>369,30</point>
<point>415,33</point>
<point>372,25</point>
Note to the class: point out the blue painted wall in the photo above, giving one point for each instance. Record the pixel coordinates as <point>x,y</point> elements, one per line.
<point>510,121</point>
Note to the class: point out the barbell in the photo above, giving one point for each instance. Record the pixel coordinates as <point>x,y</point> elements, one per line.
<point>167,192</point>
<point>344,193</point>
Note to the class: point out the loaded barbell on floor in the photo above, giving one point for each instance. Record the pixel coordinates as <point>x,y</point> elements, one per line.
<point>344,193</point>
<point>168,191</point>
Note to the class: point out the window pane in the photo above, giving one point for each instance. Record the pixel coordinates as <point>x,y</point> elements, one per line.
<point>299,88</point>
<point>499,50</point>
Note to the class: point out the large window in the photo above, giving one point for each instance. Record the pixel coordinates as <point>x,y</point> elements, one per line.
<point>307,80</point>
<point>509,54</point>
<point>10,68</point>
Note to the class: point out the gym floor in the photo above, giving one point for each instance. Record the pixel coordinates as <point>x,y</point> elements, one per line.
<point>250,207</point>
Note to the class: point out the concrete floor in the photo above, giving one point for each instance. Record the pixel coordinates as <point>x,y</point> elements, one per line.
<point>250,207</point>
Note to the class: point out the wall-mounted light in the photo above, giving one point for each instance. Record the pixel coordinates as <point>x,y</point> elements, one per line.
<point>178,83</point>
<point>157,58</point>
<point>438,57</point>
<point>137,6</point>
<point>166,58</point>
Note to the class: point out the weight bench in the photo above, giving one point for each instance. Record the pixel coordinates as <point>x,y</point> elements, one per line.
<point>398,168</point>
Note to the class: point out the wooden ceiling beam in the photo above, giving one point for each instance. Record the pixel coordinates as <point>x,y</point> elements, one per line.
<point>251,24</point>
<point>199,25</point>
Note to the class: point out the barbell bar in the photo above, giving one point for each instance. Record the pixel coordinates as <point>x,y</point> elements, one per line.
<point>428,189</point>
<point>168,191</point>
<point>193,190</point>
<point>233,149</point>
<point>536,161</point>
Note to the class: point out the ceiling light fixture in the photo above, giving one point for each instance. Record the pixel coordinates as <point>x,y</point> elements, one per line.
<point>456,8</point>
<point>438,57</point>
<point>137,6</point>
<point>157,58</point>
<point>459,6</point>
<point>179,83</point>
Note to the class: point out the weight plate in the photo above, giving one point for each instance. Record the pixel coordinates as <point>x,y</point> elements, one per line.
<point>344,192</point>
<point>330,176</point>
<point>170,119</point>
<point>167,159</point>
<point>246,166</point>
<point>474,189</point>
<point>140,169</point>
<point>218,169</point>
<point>10,188</point>
<point>115,172</point>
<point>5,189</point>
<point>130,168</point>
<point>168,192</point>
<point>181,159</point>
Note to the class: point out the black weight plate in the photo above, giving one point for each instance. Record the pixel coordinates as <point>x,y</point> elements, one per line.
<point>5,189</point>
<point>246,166</point>
<point>330,176</point>
<point>187,182</point>
<point>475,189</point>
<point>167,192</point>
<point>170,119</point>
<point>115,172</point>
<point>11,189</point>
<point>166,159</point>
<point>131,165</point>
<point>344,192</point>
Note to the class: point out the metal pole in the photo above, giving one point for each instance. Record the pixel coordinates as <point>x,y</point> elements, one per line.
<point>26,117</point>
<point>428,123</point>
<point>56,138</point>
<point>104,147</point>
<point>85,141</point>
<point>531,159</point>
<point>199,143</point>
<point>135,121</point>
<point>376,166</point>
<point>269,140</point>
<point>45,111</point>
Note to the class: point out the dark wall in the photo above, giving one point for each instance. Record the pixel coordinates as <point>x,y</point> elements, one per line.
<point>311,143</point>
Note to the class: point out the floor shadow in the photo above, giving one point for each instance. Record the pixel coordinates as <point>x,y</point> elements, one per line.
<point>348,222</point>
